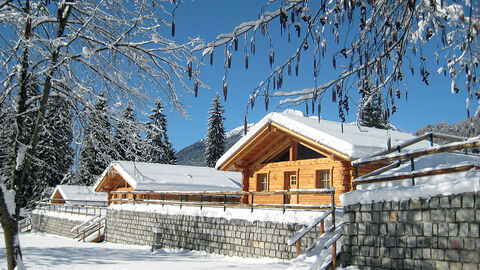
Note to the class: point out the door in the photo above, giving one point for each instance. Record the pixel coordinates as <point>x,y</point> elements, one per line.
<point>291,182</point>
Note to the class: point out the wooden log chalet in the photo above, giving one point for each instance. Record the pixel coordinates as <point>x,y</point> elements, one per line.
<point>289,151</point>
<point>152,181</point>
<point>78,195</point>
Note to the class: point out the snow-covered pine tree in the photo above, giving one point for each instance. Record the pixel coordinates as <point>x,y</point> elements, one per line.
<point>7,120</point>
<point>215,141</point>
<point>56,151</point>
<point>96,152</point>
<point>371,113</point>
<point>128,142</point>
<point>160,147</point>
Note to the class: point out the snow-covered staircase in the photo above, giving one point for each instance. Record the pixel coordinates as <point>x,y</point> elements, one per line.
<point>91,230</point>
<point>25,225</point>
<point>328,238</point>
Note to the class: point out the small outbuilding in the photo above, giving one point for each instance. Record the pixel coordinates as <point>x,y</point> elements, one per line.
<point>290,151</point>
<point>153,179</point>
<point>78,195</point>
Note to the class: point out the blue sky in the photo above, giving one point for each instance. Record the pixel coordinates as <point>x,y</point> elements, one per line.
<point>208,18</point>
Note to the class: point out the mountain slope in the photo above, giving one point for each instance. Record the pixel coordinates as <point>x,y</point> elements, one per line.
<point>194,154</point>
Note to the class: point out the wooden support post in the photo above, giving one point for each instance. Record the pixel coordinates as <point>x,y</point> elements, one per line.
<point>334,255</point>
<point>251,211</point>
<point>322,227</point>
<point>83,235</point>
<point>283,206</point>
<point>299,246</point>
<point>201,201</point>
<point>412,166</point>
<point>98,236</point>
<point>224,203</point>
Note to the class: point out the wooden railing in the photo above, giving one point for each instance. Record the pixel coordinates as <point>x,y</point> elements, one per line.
<point>328,237</point>
<point>25,225</point>
<point>410,156</point>
<point>70,208</point>
<point>91,228</point>
<point>222,199</point>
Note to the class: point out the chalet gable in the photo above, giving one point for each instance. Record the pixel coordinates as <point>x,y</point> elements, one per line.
<point>277,132</point>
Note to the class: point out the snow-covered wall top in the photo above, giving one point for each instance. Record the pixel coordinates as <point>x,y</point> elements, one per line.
<point>354,141</point>
<point>165,177</point>
<point>425,187</point>
<point>79,193</point>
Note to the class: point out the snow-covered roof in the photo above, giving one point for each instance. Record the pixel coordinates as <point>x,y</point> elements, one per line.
<point>351,140</point>
<point>165,177</point>
<point>79,193</point>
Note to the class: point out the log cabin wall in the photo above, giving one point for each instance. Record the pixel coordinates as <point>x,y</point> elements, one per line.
<point>308,176</point>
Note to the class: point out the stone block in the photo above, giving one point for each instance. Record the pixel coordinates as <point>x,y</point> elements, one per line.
<point>438,254</point>
<point>442,242</point>
<point>467,256</point>
<point>441,265</point>
<point>470,266</point>
<point>456,201</point>
<point>437,215</point>
<point>443,229</point>
<point>465,215</point>
<point>445,202</point>
<point>452,229</point>
<point>463,229</point>
<point>411,241</point>
<point>397,253</point>
<point>366,216</point>
<point>474,230</point>
<point>415,204</point>
<point>387,263</point>
<point>452,255</point>
<point>469,244</point>
<point>404,205</point>
<point>455,266</point>
<point>468,201</point>
<point>434,202</point>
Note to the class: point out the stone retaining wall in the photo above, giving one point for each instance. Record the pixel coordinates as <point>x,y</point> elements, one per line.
<point>437,233</point>
<point>233,237</point>
<point>54,225</point>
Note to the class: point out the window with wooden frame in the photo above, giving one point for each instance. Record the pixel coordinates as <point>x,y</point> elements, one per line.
<point>262,182</point>
<point>323,179</point>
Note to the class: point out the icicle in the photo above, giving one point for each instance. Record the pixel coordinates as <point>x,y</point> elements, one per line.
<point>246,61</point>
<point>266,100</point>
<point>334,95</point>
<point>211,57</point>
<point>189,67</point>
<point>245,125</point>
<point>306,107</point>
<point>313,106</point>
<point>235,42</point>
<point>173,27</point>
<point>289,69</point>
<point>271,56</point>
<point>319,110</point>
<point>225,87</point>
<point>296,69</point>
<point>195,87</point>
<point>334,63</point>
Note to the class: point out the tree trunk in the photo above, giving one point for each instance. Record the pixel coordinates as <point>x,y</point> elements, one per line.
<point>20,169</point>
<point>10,234</point>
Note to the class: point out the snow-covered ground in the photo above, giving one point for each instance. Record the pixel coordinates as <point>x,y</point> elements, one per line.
<point>44,251</point>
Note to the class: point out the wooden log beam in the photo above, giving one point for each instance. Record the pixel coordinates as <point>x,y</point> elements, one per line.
<point>416,174</point>
<point>418,153</point>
